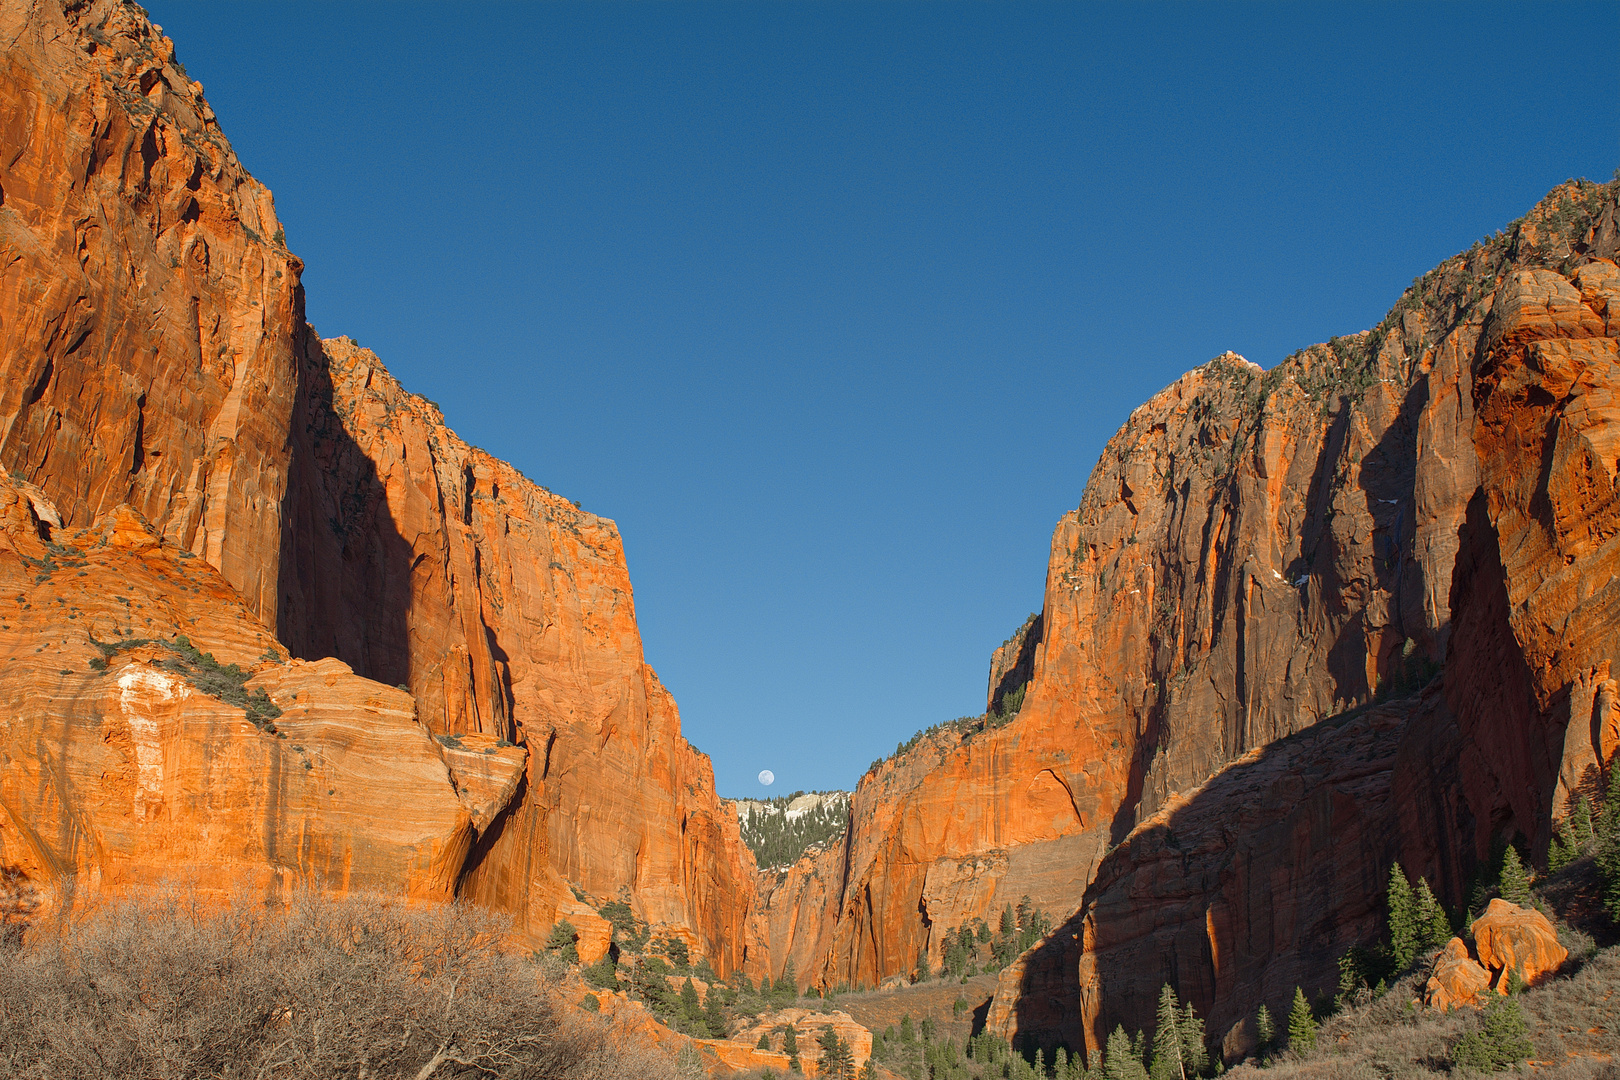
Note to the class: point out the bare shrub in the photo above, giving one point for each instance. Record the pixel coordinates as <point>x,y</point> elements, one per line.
<point>364,988</point>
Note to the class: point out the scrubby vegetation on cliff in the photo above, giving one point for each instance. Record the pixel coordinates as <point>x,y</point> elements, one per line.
<point>778,834</point>
<point>316,988</point>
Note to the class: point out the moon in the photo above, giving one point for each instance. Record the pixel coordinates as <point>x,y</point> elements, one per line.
<point>767,777</point>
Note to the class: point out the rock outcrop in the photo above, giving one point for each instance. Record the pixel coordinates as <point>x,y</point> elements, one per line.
<point>1259,555</point>
<point>1457,980</point>
<point>1516,941</point>
<point>130,758</point>
<point>156,357</point>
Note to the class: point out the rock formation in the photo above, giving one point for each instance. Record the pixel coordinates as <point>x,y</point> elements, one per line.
<point>157,359</point>
<point>1458,978</point>
<point>1257,556</point>
<point>1516,941</point>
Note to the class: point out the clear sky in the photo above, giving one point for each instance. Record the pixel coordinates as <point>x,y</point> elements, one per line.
<point>832,307</point>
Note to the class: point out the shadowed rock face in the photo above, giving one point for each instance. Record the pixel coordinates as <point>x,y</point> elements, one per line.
<point>1257,552</point>
<point>156,356</point>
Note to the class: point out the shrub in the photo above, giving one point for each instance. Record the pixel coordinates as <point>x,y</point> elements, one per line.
<point>166,987</point>
<point>1500,1040</point>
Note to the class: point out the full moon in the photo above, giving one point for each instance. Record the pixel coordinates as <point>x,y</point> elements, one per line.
<point>767,777</point>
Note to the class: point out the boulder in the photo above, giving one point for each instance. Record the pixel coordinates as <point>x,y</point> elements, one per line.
<point>1512,938</point>
<point>1457,979</point>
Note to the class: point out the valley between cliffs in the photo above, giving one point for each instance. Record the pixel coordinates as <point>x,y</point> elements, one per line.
<point>1305,622</point>
<point>267,623</point>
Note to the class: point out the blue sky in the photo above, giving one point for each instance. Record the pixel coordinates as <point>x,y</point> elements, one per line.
<point>832,307</point>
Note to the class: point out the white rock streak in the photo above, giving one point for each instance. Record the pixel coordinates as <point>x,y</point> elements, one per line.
<point>141,692</point>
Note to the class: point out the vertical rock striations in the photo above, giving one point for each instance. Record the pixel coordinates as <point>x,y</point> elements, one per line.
<point>148,304</point>
<point>156,358</point>
<point>1257,553</point>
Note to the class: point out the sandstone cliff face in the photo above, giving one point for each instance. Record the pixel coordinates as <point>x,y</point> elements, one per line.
<point>156,356</point>
<point>147,303</point>
<point>508,612</point>
<point>1507,410</point>
<point>1257,552</point>
<point>124,765</point>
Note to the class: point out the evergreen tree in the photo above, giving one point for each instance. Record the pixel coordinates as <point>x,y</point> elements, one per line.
<point>790,1047</point>
<point>1563,849</point>
<point>1008,924</point>
<point>1121,1061</point>
<point>787,983</point>
<point>691,1007</point>
<point>907,1034</point>
<point>764,1041</point>
<point>1193,1052</point>
<point>1265,1028</point>
<point>1515,887</point>
<point>1608,842</point>
<point>868,1071</point>
<point>1403,929</point>
<point>1433,926</point>
<point>561,940</point>
<point>837,1063</point>
<point>1502,1038</point>
<point>1301,1025</point>
<point>714,1018</point>
<point>1580,824</point>
<point>1167,1062</point>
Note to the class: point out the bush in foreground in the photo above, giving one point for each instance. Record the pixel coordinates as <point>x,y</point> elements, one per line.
<point>360,988</point>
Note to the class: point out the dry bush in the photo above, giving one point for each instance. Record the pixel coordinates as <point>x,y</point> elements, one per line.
<point>163,989</point>
<point>1571,1020</point>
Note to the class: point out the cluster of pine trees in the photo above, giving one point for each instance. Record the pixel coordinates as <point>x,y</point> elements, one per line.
<point>778,840</point>
<point>972,947</point>
<point>1593,830</point>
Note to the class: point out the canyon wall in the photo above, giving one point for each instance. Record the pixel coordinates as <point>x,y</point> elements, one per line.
<point>1257,553</point>
<point>157,364</point>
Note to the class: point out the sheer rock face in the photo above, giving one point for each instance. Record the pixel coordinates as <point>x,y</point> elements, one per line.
<point>156,355</point>
<point>1255,554</point>
<point>147,303</point>
<point>508,613</point>
<point>1495,748</point>
<point>119,770</point>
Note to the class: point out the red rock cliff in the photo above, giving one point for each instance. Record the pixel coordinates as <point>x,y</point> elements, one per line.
<point>1257,552</point>
<point>156,356</point>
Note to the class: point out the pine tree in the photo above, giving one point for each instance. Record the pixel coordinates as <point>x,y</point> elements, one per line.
<point>562,940</point>
<point>787,983</point>
<point>1193,1052</point>
<point>1403,930</point>
<point>1580,824</point>
<point>1167,1063</point>
<point>714,1018</point>
<point>1301,1025</point>
<point>691,1007</point>
<point>836,1061</point>
<point>1008,925</point>
<point>868,1071</point>
<point>1502,1038</point>
<point>764,1041</point>
<point>1433,926</point>
<point>1515,879</point>
<point>1122,1061</point>
<point>1265,1028</point>
<point>790,1047</point>
<point>907,1033</point>
<point>1608,841</point>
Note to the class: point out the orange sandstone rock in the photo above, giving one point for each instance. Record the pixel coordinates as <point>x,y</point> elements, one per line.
<point>1457,978</point>
<point>156,355</point>
<point>1516,939</point>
